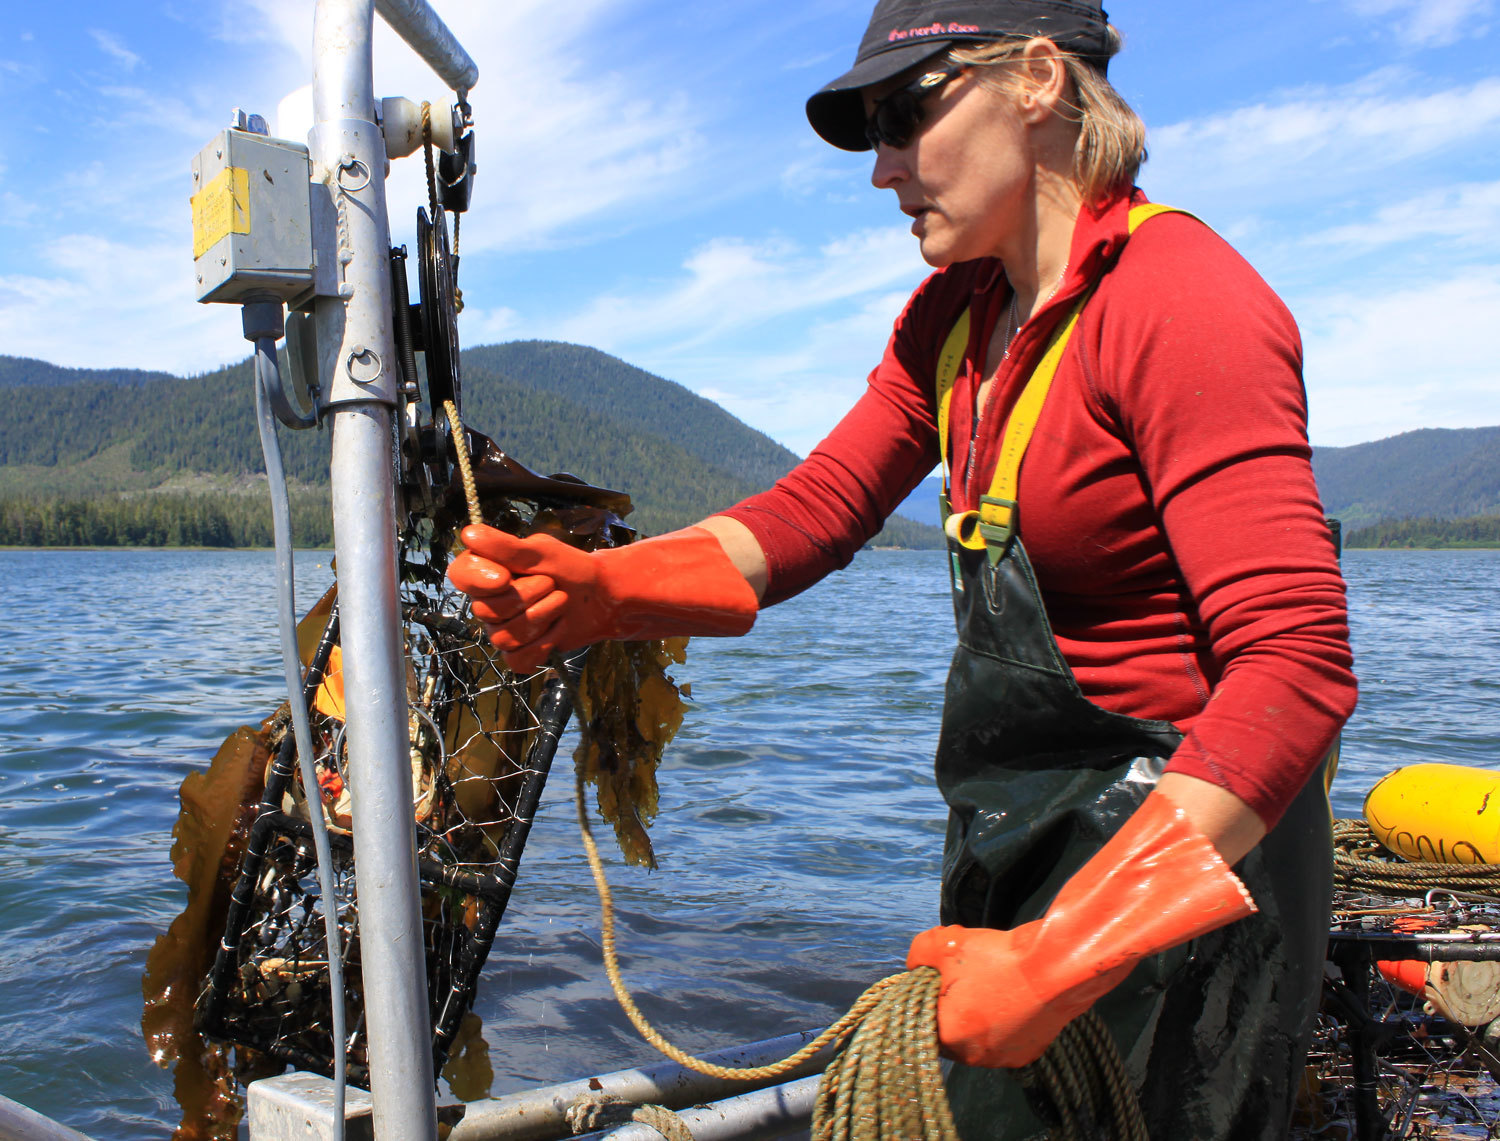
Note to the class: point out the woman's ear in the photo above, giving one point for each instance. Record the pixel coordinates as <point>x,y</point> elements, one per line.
<point>1043,79</point>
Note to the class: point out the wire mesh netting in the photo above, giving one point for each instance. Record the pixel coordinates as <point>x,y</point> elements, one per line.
<point>481,742</point>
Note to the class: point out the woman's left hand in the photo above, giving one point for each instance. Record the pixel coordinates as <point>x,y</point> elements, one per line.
<point>1006,994</point>
<point>995,1007</point>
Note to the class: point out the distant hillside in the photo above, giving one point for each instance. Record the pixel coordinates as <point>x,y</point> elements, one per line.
<point>18,371</point>
<point>1433,473</point>
<point>1431,534</point>
<point>158,429</point>
<point>922,504</point>
<point>636,398</point>
<point>83,433</point>
<point>555,407</point>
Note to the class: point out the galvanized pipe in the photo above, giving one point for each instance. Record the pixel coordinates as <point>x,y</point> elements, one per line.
<point>17,1123</point>
<point>542,1114</point>
<point>779,1112</point>
<point>349,156</point>
<point>390,929</point>
<point>416,23</point>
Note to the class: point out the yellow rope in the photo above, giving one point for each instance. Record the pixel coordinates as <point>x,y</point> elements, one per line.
<point>427,154</point>
<point>465,467</point>
<point>1361,863</point>
<point>835,1033</point>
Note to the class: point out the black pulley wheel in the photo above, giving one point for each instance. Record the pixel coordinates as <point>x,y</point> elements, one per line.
<point>439,320</point>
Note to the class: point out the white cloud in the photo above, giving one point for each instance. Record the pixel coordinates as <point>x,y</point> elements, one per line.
<point>797,394</point>
<point>817,171</point>
<point>1430,23</point>
<point>136,108</point>
<point>1319,143</point>
<point>486,326</point>
<point>1467,215</point>
<point>781,336</point>
<point>101,303</point>
<point>1420,355</point>
<point>732,284</point>
<point>15,210</point>
<point>112,46</point>
<point>562,143</point>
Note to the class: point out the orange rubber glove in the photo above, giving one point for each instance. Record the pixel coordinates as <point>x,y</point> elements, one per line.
<point>1007,994</point>
<point>537,595</point>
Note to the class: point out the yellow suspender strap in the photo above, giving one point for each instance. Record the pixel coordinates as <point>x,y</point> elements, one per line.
<point>994,524</point>
<point>949,361</point>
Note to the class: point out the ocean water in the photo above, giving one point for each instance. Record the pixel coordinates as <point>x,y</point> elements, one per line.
<point>799,834</point>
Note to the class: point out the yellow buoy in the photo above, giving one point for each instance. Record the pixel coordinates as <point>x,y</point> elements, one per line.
<point>1445,814</point>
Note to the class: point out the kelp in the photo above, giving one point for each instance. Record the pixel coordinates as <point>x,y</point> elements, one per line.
<point>629,709</point>
<point>466,768</point>
<point>217,808</point>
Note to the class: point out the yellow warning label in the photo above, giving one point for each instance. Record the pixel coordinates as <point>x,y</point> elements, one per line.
<point>221,208</point>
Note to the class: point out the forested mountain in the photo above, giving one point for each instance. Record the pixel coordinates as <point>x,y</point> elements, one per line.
<point>638,399</point>
<point>83,436</point>
<point>1434,473</point>
<point>73,454</point>
<point>1446,534</point>
<point>18,371</point>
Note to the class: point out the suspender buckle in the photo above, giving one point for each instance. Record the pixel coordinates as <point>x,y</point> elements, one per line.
<point>997,524</point>
<point>963,528</point>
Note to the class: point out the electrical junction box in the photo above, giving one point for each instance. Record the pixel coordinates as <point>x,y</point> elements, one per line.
<point>253,219</point>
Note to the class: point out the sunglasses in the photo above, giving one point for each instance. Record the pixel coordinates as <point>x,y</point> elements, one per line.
<point>894,119</point>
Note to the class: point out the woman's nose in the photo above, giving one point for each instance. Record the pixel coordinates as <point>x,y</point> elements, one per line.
<point>890,167</point>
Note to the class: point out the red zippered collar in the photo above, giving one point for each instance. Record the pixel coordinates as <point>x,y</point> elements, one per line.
<point>1099,234</point>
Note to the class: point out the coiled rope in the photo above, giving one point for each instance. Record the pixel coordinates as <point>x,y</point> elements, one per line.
<point>886,1083</point>
<point>1360,863</point>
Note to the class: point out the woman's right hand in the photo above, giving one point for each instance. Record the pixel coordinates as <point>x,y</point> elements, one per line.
<point>538,596</point>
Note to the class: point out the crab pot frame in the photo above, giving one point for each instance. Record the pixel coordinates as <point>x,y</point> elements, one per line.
<point>268,990</point>
<point>1401,1058</point>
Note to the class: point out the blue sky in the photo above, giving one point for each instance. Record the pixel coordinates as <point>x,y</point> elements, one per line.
<point>648,185</point>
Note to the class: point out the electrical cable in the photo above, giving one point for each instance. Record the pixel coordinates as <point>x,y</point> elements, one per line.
<point>266,370</point>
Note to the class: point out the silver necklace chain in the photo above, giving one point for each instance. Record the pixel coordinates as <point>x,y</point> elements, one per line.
<point>1012,330</point>
<point>1013,318</point>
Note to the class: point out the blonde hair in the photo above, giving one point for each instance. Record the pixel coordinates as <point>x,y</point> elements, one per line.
<point>1111,142</point>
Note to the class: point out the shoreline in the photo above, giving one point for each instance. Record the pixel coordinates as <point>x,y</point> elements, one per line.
<point>1449,547</point>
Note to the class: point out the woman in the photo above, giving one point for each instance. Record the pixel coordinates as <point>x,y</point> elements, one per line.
<point>1153,656</point>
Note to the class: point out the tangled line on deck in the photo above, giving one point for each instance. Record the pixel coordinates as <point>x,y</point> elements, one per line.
<point>1360,863</point>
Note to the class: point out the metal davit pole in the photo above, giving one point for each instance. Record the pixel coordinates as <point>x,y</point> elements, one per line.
<point>356,341</point>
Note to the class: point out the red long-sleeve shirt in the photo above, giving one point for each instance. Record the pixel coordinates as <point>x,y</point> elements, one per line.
<point>1167,499</point>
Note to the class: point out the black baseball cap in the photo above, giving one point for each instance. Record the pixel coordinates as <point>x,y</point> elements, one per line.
<point>903,33</point>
